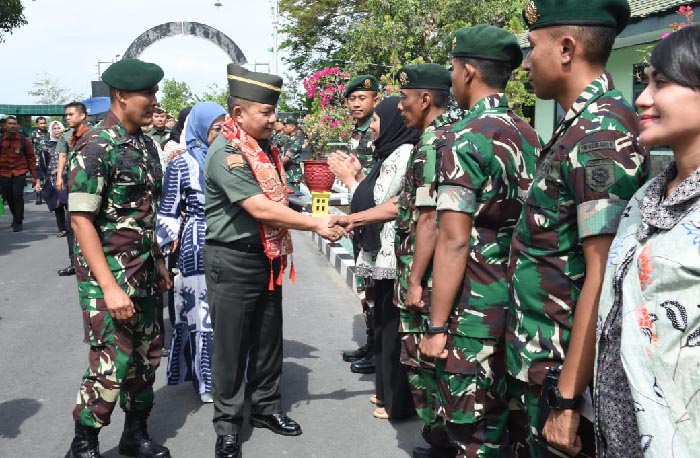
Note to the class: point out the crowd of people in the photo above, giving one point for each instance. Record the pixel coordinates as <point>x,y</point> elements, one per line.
<point>523,298</point>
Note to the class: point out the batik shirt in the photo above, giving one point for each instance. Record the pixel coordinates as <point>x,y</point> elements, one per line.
<point>651,289</point>
<point>361,145</point>
<point>487,167</point>
<point>586,175</point>
<point>117,177</point>
<point>419,191</point>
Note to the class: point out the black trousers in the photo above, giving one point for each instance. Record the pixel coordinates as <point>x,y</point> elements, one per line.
<point>63,222</point>
<point>12,189</point>
<point>247,321</point>
<point>390,376</point>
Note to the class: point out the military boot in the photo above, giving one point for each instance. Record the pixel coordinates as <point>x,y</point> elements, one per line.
<point>135,440</point>
<point>85,444</point>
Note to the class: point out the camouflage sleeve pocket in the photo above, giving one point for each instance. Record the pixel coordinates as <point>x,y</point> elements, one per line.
<point>457,199</point>
<point>599,217</point>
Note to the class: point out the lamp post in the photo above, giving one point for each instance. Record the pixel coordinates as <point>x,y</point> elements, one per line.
<point>275,11</point>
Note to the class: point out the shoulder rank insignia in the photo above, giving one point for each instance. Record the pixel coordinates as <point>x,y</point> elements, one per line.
<point>367,84</point>
<point>403,78</point>
<point>234,160</point>
<point>531,13</point>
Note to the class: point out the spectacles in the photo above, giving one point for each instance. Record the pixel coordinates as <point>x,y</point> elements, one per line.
<point>216,128</point>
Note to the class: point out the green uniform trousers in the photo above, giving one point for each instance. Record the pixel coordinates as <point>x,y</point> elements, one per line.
<point>123,358</point>
<point>247,321</point>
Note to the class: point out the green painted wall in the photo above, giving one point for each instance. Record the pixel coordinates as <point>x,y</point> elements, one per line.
<point>619,66</point>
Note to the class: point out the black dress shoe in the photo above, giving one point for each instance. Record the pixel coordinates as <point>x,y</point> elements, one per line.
<point>363,366</point>
<point>278,423</point>
<point>67,271</point>
<point>16,227</point>
<point>228,446</point>
<point>354,355</point>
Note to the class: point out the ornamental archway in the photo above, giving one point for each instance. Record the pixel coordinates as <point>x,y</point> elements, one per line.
<point>195,29</point>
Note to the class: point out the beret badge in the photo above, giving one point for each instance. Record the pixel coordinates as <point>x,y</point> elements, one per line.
<point>367,84</point>
<point>403,78</point>
<point>454,43</point>
<point>531,14</point>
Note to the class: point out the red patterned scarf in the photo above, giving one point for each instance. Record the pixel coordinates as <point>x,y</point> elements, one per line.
<point>272,179</point>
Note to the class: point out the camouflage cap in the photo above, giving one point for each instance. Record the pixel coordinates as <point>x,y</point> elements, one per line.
<point>256,87</point>
<point>362,83</point>
<point>551,13</point>
<point>424,76</point>
<point>291,120</point>
<point>132,75</point>
<point>487,42</point>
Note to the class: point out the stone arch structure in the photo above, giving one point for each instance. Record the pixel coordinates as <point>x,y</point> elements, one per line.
<point>195,29</point>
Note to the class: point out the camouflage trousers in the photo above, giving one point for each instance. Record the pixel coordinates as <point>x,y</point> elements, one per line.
<point>472,396</point>
<point>527,442</point>
<point>123,359</point>
<point>422,381</point>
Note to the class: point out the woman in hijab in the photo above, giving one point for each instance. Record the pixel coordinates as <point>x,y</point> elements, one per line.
<point>180,226</point>
<point>393,143</point>
<point>57,201</point>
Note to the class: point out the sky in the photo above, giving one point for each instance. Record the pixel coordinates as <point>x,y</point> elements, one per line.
<point>67,38</point>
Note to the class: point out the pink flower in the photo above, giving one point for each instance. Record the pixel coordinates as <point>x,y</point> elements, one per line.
<point>665,35</point>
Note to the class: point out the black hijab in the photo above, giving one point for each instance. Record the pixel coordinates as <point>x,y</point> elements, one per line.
<point>392,134</point>
<point>180,126</point>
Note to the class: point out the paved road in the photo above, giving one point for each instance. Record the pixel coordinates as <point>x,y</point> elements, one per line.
<point>42,357</point>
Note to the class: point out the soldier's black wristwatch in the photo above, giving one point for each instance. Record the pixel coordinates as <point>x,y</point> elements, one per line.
<point>429,328</point>
<point>556,402</point>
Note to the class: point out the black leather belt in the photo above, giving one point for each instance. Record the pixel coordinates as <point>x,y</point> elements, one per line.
<point>238,246</point>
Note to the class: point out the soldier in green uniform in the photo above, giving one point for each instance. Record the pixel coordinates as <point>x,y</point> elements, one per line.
<point>362,96</point>
<point>40,137</point>
<point>424,97</point>
<point>291,153</point>
<point>487,163</point>
<point>277,137</point>
<point>245,255</point>
<point>159,132</point>
<point>587,172</point>
<point>114,188</point>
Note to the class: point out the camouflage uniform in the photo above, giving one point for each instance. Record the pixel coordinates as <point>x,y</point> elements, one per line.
<point>117,177</point>
<point>159,136</point>
<point>487,167</point>
<point>361,145</point>
<point>39,140</point>
<point>292,149</point>
<point>418,192</point>
<point>588,171</point>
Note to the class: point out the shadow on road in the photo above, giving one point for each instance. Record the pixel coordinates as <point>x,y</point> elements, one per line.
<point>14,413</point>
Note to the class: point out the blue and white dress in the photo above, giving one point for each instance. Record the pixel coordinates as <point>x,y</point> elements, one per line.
<point>190,348</point>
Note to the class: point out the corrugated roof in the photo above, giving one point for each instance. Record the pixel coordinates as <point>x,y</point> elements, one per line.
<point>643,8</point>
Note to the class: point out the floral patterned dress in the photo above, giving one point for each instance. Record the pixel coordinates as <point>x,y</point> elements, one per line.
<point>381,265</point>
<point>648,352</point>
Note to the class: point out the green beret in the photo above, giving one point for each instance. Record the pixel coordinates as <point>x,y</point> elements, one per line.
<point>552,13</point>
<point>256,87</point>
<point>362,83</point>
<point>424,76</point>
<point>291,120</point>
<point>132,75</point>
<point>487,42</point>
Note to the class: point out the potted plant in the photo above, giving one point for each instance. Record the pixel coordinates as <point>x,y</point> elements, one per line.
<point>327,127</point>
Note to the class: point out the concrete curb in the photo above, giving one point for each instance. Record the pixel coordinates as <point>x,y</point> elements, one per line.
<point>339,258</point>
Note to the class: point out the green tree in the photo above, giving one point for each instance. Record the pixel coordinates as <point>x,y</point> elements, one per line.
<point>214,93</point>
<point>48,92</point>
<point>11,17</point>
<point>176,96</point>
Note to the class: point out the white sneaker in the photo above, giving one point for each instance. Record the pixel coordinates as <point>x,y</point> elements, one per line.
<point>206,398</point>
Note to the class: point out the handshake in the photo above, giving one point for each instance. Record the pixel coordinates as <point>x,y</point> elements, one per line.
<point>333,227</point>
